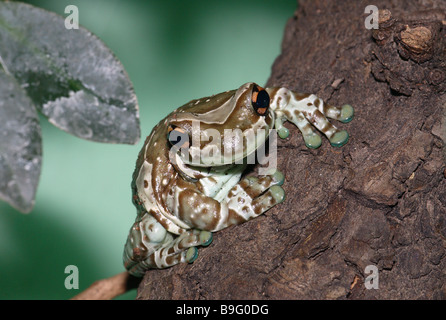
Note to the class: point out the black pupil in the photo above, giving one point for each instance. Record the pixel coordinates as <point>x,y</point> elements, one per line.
<point>262,102</point>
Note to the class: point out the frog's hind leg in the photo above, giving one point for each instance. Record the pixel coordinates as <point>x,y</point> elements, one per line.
<point>183,248</point>
<point>151,246</point>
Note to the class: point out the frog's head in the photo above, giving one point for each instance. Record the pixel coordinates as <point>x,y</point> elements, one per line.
<point>221,129</point>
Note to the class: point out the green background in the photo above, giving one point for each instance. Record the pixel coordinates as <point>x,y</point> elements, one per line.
<point>173,51</point>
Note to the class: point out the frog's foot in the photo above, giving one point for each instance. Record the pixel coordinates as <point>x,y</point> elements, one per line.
<point>343,114</point>
<point>255,195</point>
<point>347,113</point>
<point>254,186</point>
<point>260,201</point>
<point>182,249</point>
<point>318,117</point>
<point>278,125</point>
<point>311,138</point>
<point>269,199</point>
<point>339,138</point>
<point>308,112</point>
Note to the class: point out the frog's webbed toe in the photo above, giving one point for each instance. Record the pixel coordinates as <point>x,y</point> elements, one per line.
<point>255,195</point>
<point>313,140</point>
<point>269,199</point>
<point>347,113</point>
<point>339,139</point>
<point>200,238</point>
<point>343,114</point>
<point>282,131</point>
<point>188,251</point>
<point>308,112</point>
<point>191,254</point>
<point>255,186</point>
<point>181,249</point>
<point>278,177</point>
<point>319,119</point>
<point>206,238</point>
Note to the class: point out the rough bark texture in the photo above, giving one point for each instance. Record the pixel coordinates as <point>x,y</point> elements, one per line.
<point>379,200</point>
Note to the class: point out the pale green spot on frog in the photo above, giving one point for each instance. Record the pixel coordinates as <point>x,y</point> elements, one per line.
<point>278,193</point>
<point>339,138</point>
<point>313,141</point>
<point>206,238</point>
<point>347,113</point>
<point>191,254</point>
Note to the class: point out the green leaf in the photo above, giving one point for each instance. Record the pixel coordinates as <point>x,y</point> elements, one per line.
<point>20,145</point>
<point>69,74</point>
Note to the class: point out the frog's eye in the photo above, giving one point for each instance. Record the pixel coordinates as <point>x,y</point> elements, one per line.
<point>177,137</point>
<point>260,100</point>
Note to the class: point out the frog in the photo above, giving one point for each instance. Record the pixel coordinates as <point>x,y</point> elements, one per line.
<point>186,186</point>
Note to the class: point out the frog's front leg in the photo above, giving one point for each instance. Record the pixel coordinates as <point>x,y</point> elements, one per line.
<point>305,110</point>
<point>245,200</point>
<point>253,196</point>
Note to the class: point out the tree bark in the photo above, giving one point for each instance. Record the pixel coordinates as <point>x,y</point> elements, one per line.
<point>379,201</point>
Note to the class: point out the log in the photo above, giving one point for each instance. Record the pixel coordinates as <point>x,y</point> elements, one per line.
<point>365,221</point>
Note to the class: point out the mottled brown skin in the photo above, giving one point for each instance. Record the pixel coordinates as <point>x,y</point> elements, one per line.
<point>159,157</point>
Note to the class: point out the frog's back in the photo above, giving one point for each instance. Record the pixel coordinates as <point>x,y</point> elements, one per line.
<point>206,104</point>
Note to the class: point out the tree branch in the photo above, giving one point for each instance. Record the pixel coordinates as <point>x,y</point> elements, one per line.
<point>109,288</point>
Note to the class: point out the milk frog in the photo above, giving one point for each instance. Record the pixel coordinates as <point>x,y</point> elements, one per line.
<point>188,181</point>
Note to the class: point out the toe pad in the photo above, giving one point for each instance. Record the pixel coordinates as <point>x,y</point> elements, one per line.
<point>339,139</point>
<point>347,113</point>
<point>313,141</point>
<point>206,238</point>
<point>191,254</point>
<point>278,193</point>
